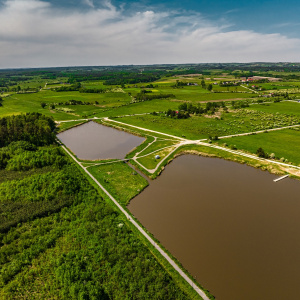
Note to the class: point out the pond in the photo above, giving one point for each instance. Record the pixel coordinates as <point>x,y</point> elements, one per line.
<point>92,141</point>
<point>234,229</point>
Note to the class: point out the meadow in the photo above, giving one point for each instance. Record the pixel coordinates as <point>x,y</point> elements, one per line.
<point>120,180</point>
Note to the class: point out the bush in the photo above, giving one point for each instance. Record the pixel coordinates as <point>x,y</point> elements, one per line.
<point>272,156</point>
<point>261,153</point>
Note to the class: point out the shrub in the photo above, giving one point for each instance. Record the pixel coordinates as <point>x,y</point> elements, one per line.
<point>272,155</point>
<point>261,153</point>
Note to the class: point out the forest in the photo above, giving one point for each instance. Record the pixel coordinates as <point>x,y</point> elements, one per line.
<point>59,238</point>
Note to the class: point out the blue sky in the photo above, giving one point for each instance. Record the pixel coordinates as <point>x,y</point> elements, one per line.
<point>41,33</point>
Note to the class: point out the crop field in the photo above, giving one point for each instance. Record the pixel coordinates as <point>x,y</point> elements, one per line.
<point>283,143</point>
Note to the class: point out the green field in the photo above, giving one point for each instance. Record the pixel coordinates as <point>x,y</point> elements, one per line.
<point>283,143</point>
<point>200,127</point>
<point>284,107</point>
<point>120,180</point>
<point>21,103</point>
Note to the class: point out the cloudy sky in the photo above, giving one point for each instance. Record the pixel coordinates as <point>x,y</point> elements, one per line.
<point>46,33</point>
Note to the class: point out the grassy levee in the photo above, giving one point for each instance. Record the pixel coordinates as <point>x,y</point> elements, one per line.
<point>283,143</point>
<point>68,125</point>
<point>159,144</point>
<point>183,285</point>
<point>223,154</point>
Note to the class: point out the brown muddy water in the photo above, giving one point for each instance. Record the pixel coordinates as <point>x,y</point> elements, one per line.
<point>234,229</point>
<point>92,141</point>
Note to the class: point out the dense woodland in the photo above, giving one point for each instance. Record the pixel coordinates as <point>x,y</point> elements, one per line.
<point>32,127</point>
<point>59,238</point>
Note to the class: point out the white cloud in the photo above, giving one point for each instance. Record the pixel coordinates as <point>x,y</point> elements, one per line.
<point>33,33</point>
<point>89,3</point>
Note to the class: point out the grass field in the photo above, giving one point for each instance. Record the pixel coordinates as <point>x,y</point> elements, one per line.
<point>200,127</point>
<point>120,180</point>
<point>22,103</point>
<point>283,143</point>
<point>17,104</point>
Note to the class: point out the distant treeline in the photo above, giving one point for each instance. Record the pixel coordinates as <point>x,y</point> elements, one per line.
<point>146,97</point>
<point>78,87</point>
<point>121,75</point>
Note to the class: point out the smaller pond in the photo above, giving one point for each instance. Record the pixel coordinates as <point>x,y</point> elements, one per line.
<point>92,141</point>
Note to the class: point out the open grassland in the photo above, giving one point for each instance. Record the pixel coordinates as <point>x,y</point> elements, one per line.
<point>283,143</point>
<point>37,82</point>
<point>120,180</point>
<point>194,96</point>
<point>200,127</point>
<point>194,93</point>
<point>21,103</point>
<point>15,105</point>
<point>139,108</point>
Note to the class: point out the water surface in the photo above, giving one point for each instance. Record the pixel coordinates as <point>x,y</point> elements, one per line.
<point>230,226</point>
<point>92,141</point>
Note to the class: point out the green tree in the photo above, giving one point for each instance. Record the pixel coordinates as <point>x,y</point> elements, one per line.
<point>261,153</point>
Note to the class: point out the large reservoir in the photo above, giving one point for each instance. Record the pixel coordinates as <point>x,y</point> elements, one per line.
<point>234,229</point>
<point>93,141</point>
